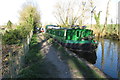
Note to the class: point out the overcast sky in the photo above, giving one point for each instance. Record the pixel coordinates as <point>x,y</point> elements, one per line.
<point>9,10</point>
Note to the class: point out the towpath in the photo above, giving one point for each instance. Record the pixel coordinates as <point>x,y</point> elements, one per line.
<point>57,62</point>
<point>70,67</point>
<point>61,69</point>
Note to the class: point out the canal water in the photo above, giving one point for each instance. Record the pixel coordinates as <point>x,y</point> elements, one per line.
<point>106,57</point>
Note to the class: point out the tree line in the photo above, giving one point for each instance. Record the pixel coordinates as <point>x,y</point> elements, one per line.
<point>77,12</point>
<point>67,13</point>
<point>28,20</point>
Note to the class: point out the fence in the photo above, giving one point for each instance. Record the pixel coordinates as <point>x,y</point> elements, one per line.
<point>13,58</point>
<point>0,55</point>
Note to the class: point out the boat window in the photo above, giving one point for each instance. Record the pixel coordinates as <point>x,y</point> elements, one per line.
<point>77,33</point>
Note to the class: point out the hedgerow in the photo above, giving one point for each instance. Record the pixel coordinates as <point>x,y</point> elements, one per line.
<point>15,36</point>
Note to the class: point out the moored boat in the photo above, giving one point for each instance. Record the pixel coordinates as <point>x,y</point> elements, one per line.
<point>74,38</point>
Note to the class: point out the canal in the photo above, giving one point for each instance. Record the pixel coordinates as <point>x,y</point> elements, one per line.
<point>106,57</point>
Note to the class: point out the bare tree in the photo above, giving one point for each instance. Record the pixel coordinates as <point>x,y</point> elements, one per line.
<point>92,6</point>
<point>70,12</point>
<point>63,12</point>
<point>96,17</point>
<point>106,18</point>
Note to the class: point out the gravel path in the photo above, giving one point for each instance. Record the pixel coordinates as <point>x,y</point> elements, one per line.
<point>52,56</point>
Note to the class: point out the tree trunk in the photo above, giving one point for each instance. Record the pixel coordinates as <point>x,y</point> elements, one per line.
<point>106,19</point>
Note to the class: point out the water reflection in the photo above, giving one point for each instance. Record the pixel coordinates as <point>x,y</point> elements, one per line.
<point>118,61</point>
<point>108,57</point>
<point>89,56</point>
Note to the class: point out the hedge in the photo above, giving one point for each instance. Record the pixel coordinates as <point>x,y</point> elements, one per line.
<point>15,36</point>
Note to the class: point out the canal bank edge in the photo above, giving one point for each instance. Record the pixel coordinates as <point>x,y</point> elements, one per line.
<point>91,66</point>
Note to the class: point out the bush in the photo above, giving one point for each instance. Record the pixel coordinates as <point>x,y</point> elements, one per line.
<point>33,41</point>
<point>15,36</point>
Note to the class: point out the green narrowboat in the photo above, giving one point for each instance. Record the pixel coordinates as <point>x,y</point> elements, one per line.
<point>75,38</point>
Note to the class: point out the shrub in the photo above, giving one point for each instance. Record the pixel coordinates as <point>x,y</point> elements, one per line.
<point>15,36</point>
<point>11,37</point>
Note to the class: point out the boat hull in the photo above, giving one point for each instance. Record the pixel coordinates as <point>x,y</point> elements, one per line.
<point>86,47</point>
